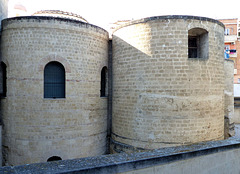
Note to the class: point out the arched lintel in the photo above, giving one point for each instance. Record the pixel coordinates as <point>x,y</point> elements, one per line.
<point>44,61</point>
<point>102,65</point>
<point>5,62</point>
<point>197,31</point>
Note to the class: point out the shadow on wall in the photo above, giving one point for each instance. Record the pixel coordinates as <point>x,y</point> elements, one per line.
<point>161,97</point>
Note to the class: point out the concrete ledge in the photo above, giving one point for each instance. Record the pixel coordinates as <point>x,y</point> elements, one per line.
<point>123,162</point>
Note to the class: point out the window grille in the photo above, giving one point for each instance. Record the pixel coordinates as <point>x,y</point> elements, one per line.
<point>54,80</point>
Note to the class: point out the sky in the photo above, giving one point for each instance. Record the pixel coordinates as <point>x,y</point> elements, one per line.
<point>103,12</point>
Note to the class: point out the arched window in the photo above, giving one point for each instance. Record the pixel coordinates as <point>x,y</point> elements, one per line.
<point>198,43</point>
<point>54,80</point>
<point>4,79</point>
<point>104,82</point>
<point>54,158</point>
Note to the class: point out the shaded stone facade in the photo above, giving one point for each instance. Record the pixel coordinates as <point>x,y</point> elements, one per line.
<point>158,93</point>
<point>37,128</point>
<point>161,96</point>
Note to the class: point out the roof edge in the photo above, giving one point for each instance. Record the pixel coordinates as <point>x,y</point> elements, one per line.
<point>185,17</point>
<point>46,18</point>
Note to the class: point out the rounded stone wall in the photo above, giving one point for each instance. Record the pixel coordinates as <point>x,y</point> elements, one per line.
<point>168,82</point>
<point>36,126</point>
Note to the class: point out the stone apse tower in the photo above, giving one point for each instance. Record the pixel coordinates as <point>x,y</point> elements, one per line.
<point>53,109</point>
<point>165,75</point>
<point>168,82</point>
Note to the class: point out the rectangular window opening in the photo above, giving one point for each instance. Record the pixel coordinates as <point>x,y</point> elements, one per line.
<point>192,47</point>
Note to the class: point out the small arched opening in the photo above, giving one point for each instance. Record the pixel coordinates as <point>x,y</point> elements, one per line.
<point>198,43</point>
<point>54,158</point>
<point>4,79</point>
<point>54,80</point>
<point>104,82</point>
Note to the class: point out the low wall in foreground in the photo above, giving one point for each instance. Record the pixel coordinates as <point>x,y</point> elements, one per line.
<point>209,157</point>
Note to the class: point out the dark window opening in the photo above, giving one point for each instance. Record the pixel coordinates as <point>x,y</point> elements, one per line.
<point>4,80</point>
<point>54,158</point>
<point>192,47</point>
<point>54,80</point>
<point>103,91</point>
<point>198,43</point>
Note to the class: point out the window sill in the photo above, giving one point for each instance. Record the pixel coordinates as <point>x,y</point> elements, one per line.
<point>54,98</point>
<point>197,58</point>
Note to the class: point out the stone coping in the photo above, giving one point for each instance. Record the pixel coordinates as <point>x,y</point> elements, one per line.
<point>185,17</point>
<point>123,162</point>
<point>49,18</point>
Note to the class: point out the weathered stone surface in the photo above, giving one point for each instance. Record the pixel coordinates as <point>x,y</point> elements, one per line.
<point>160,96</point>
<point>36,128</point>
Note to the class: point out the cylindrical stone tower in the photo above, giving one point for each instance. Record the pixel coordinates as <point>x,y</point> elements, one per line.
<point>168,82</point>
<point>53,109</point>
<point>3,15</point>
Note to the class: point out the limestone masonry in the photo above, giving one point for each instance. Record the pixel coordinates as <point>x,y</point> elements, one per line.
<point>68,91</point>
<point>36,128</point>
<point>161,96</point>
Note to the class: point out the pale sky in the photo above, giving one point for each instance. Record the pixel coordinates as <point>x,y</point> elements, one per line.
<point>103,12</point>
